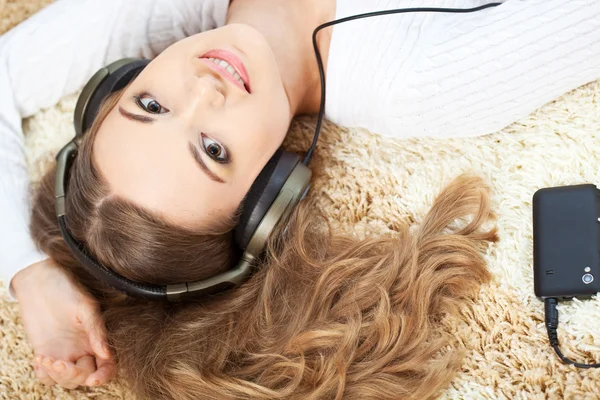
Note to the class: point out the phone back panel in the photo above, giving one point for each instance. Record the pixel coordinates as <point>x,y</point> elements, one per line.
<point>566,241</point>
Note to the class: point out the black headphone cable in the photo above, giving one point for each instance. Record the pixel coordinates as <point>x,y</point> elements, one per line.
<point>551,320</point>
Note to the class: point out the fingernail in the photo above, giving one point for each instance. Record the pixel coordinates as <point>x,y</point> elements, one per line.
<point>60,367</point>
<point>48,362</point>
<point>96,382</point>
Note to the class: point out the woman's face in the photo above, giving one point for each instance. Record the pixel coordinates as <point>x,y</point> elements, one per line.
<point>194,129</point>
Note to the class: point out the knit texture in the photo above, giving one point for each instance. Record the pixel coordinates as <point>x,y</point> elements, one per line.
<point>376,185</point>
<point>453,75</point>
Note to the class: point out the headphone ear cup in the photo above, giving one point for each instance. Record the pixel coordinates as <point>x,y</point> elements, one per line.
<point>262,194</point>
<point>106,81</point>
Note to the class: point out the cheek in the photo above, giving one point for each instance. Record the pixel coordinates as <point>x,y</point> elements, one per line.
<point>258,132</point>
<point>271,121</point>
<point>275,111</point>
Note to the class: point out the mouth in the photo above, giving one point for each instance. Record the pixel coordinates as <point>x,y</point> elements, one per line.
<point>229,66</point>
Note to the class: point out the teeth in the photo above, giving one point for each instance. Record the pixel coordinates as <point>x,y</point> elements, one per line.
<point>225,65</point>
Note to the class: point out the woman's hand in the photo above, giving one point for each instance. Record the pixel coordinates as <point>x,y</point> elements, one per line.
<point>63,325</point>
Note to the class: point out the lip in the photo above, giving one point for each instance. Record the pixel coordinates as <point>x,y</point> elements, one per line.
<point>232,60</point>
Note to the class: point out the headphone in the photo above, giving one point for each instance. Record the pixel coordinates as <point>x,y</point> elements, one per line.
<point>275,193</point>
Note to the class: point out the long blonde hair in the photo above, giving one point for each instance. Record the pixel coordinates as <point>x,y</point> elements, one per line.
<point>325,315</point>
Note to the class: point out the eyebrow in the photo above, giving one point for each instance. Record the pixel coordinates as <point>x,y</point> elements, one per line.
<point>136,117</point>
<point>203,167</point>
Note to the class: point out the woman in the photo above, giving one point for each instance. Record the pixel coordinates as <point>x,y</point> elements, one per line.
<point>425,83</point>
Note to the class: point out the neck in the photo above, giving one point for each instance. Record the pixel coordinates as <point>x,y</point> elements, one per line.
<point>288,27</point>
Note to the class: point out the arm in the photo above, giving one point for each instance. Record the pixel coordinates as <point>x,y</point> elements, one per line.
<point>52,54</point>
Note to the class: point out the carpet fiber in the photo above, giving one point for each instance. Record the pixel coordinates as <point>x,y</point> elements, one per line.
<point>376,185</point>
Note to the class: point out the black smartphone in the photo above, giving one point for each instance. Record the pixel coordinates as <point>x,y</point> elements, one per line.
<point>566,241</point>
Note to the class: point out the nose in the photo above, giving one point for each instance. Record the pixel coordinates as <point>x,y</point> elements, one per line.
<point>204,93</point>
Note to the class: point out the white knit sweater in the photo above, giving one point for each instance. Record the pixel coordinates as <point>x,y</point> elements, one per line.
<point>449,75</point>
<point>443,75</point>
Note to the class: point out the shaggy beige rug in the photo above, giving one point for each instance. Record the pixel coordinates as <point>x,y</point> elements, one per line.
<point>376,185</point>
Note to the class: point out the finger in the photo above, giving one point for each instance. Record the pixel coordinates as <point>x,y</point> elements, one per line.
<point>87,366</point>
<point>75,374</point>
<point>68,375</point>
<point>97,338</point>
<point>47,367</point>
<point>41,373</point>
<point>96,330</point>
<point>62,372</point>
<point>104,373</point>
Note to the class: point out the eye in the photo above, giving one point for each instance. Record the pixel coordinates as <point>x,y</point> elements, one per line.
<point>214,150</point>
<point>150,105</point>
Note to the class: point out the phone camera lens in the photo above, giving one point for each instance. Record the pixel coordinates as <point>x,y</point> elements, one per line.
<point>587,279</point>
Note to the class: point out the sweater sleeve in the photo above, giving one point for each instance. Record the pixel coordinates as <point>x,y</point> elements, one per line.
<point>53,54</point>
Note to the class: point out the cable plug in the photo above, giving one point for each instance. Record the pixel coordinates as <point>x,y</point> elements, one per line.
<point>551,319</point>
